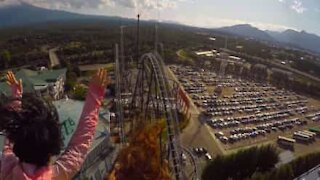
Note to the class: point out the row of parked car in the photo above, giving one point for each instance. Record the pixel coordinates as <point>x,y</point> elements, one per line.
<point>314,116</point>
<point>263,87</point>
<point>235,101</point>
<point>282,125</point>
<point>218,111</point>
<point>248,119</point>
<point>214,81</point>
<point>260,130</point>
<point>205,97</point>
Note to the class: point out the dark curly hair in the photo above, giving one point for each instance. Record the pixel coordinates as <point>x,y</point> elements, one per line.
<point>33,129</point>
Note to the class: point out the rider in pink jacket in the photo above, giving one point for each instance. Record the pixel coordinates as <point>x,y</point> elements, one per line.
<point>70,161</point>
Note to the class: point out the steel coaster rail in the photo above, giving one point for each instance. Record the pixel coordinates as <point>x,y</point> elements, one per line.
<point>171,129</point>
<point>119,103</point>
<point>153,89</point>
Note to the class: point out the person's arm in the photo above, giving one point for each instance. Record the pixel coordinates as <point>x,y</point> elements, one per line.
<point>16,90</point>
<point>71,160</point>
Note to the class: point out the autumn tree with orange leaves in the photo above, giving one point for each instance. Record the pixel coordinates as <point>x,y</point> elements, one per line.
<point>141,160</point>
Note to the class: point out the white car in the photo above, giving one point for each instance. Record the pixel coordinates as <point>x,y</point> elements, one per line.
<point>184,157</point>
<point>208,156</point>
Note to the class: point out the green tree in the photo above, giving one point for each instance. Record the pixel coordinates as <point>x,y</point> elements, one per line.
<point>71,76</point>
<point>6,57</point>
<point>79,92</point>
<point>242,164</point>
<point>258,176</point>
<point>71,81</point>
<point>215,169</point>
<point>290,170</point>
<point>284,173</point>
<point>268,158</point>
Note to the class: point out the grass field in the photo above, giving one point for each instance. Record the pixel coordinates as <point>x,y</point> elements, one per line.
<point>183,56</point>
<point>94,67</point>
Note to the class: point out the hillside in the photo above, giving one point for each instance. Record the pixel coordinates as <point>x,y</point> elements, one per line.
<point>300,39</point>
<point>23,14</point>
<point>246,30</point>
<point>26,14</point>
<point>303,40</point>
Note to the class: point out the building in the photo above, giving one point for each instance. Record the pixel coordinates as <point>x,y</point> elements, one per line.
<point>312,174</point>
<point>102,153</point>
<point>211,53</point>
<point>43,83</point>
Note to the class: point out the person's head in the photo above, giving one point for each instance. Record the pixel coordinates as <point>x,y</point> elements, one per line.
<point>33,129</point>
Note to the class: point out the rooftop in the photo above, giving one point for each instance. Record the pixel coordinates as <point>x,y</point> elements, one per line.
<point>69,114</point>
<point>32,78</point>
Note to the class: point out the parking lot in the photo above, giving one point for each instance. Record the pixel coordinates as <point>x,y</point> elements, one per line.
<point>242,113</point>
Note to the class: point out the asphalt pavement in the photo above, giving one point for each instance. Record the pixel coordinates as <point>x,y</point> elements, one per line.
<point>313,174</point>
<point>54,60</point>
<point>197,133</point>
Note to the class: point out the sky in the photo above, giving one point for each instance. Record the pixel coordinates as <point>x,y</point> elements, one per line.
<point>265,14</point>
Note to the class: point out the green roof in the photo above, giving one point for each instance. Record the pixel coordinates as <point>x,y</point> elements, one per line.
<point>4,88</point>
<point>69,114</point>
<point>37,81</point>
<point>51,75</point>
<point>26,72</point>
<point>31,78</point>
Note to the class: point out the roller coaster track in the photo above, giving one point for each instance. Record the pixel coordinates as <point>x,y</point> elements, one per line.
<point>119,103</point>
<point>194,174</point>
<point>153,89</point>
<point>154,98</point>
<point>171,114</point>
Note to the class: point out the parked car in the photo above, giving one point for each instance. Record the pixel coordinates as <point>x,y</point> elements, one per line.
<point>208,156</point>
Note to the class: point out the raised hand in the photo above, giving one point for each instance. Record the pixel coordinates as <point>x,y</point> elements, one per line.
<point>100,78</point>
<point>13,83</point>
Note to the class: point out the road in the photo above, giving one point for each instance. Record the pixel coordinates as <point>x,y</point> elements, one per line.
<point>198,133</point>
<point>313,174</point>
<point>269,61</point>
<point>54,60</point>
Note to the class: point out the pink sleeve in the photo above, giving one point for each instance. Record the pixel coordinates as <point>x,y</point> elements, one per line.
<point>16,104</point>
<point>71,160</point>
<point>7,148</point>
<point>16,93</point>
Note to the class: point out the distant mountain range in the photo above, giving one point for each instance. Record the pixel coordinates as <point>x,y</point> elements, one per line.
<point>300,39</point>
<point>246,30</point>
<point>294,38</point>
<point>25,14</point>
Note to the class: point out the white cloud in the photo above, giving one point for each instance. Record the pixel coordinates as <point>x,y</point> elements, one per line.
<point>282,1</point>
<point>61,4</point>
<point>86,4</point>
<point>298,7</point>
<point>221,22</point>
<point>8,3</point>
<point>273,27</point>
<point>146,7</point>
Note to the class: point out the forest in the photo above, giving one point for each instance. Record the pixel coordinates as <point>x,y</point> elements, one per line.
<point>83,42</point>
